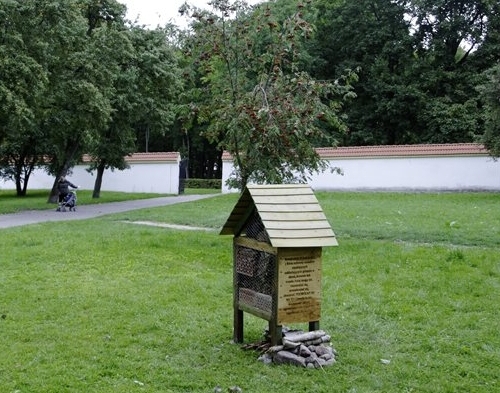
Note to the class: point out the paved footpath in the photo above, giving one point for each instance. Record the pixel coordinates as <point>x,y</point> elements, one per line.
<point>91,211</point>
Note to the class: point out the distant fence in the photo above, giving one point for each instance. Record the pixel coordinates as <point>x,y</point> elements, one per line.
<point>148,172</point>
<point>439,167</point>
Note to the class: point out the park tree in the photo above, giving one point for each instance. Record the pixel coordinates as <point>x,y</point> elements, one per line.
<point>70,96</point>
<point>419,61</point>
<point>450,30</point>
<point>107,145</point>
<point>76,78</point>
<point>490,94</point>
<point>81,85</point>
<point>372,37</point>
<point>158,83</point>
<point>258,104</point>
<point>31,34</point>
<point>22,83</point>
<point>202,155</point>
<point>144,82</point>
<point>451,53</point>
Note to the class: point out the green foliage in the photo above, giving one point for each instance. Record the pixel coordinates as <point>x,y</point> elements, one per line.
<point>54,60</point>
<point>267,83</point>
<point>137,308</point>
<point>142,84</point>
<point>371,36</point>
<point>490,94</point>
<point>419,64</point>
<point>157,83</point>
<point>76,79</point>
<point>443,26</point>
<point>262,107</point>
<point>28,29</point>
<point>203,183</point>
<point>93,85</point>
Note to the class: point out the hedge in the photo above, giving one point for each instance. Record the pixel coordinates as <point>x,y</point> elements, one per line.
<point>203,183</point>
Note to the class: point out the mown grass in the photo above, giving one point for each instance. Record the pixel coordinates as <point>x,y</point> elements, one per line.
<point>102,305</point>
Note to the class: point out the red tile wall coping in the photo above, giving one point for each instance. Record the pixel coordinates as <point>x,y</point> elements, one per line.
<point>451,149</point>
<point>146,157</point>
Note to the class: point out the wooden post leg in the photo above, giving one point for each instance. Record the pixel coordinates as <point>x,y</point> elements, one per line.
<point>313,325</point>
<point>276,333</point>
<point>238,326</point>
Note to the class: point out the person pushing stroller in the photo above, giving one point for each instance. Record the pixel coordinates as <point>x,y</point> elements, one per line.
<point>66,198</point>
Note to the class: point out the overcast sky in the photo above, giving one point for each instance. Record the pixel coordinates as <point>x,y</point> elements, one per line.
<point>159,12</point>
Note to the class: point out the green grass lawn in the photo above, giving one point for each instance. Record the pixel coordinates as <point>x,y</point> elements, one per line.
<point>101,305</point>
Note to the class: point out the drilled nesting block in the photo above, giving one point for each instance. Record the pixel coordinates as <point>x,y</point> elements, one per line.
<point>245,261</point>
<point>253,299</point>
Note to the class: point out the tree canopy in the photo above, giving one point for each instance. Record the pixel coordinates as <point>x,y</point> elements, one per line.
<point>490,94</point>
<point>419,64</point>
<point>267,83</point>
<point>260,105</point>
<point>78,78</point>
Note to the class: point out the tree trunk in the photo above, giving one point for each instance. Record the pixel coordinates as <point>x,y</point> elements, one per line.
<point>54,193</point>
<point>53,196</point>
<point>98,180</point>
<point>22,174</point>
<point>19,188</point>
<point>18,178</point>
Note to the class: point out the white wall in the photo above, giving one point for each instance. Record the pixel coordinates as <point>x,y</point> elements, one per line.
<point>410,173</point>
<point>418,173</point>
<point>410,168</point>
<point>156,176</point>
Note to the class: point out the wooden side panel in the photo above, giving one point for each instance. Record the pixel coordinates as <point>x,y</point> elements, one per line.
<point>280,189</point>
<point>297,224</point>
<point>298,207</point>
<point>285,199</point>
<point>254,244</point>
<point>308,233</point>
<point>269,216</point>
<point>299,281</point>
<point>305,242</point>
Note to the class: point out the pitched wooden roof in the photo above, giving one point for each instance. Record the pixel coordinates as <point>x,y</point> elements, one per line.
<point>290,213</point>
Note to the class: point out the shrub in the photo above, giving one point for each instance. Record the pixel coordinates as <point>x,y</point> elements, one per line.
<point>203,183</point>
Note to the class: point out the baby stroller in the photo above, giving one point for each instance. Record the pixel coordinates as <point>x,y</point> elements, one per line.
<point>69,202</point>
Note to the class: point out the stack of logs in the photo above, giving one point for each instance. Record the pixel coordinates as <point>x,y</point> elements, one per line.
<point>304,349</point>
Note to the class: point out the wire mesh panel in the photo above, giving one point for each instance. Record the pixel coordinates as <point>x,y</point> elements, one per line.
<point>255,229</point>
<point>255,270</point>
<point>255,278</point>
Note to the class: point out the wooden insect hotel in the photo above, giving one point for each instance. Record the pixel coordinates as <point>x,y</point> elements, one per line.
<point>279,232</point>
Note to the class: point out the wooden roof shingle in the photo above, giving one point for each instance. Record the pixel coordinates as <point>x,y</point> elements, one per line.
<point>290,213</point>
